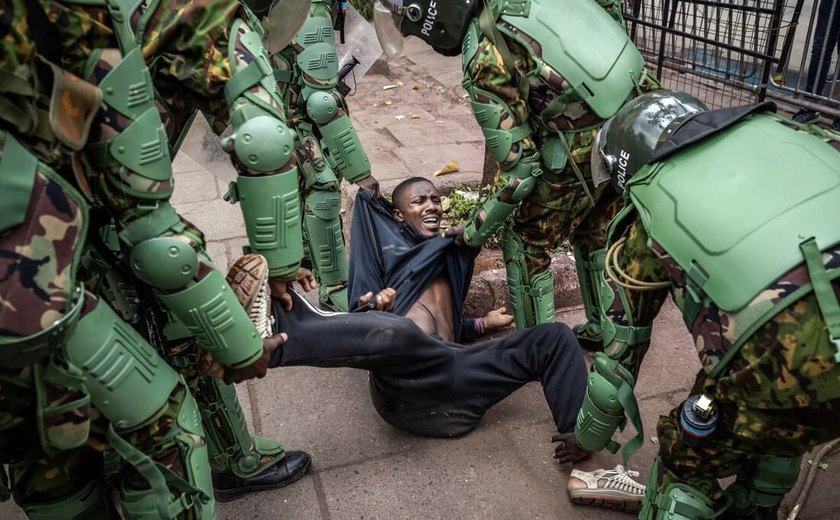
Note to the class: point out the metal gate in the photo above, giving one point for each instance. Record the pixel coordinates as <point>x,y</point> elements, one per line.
<point>731,52</point>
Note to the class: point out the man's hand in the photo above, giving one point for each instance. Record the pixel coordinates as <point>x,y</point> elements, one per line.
<point>370,183</point>
<point>567,449</point>
<point>280,288</point>
<point>497,319</point>
<point>456,232</point>
<point>257,369</point>
<point>386,299</point>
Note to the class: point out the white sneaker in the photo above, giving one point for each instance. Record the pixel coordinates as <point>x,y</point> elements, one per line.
<point>248,277</point>
<point>607,488</point>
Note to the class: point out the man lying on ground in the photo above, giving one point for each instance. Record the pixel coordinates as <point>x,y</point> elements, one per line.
<point>397,256</point>
<point>428,386</point>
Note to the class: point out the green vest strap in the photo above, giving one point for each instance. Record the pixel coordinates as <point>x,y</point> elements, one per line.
<point>487,22</point>
<point>826,299</point>
<point>18,168</point>
<point>242,81</point>
<point>283,76</point>
<point>631,410</point>
<point>631,335</point>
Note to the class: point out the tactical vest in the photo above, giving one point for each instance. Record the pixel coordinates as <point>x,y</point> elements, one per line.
<point>732,223</point>
<point>590,50</point>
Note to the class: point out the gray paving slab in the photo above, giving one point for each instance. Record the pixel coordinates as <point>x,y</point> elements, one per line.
<point>296,502</point>
<point>433,132</point>
<point>328,413</point>
<point>197,185</point>
<point>425,160</point>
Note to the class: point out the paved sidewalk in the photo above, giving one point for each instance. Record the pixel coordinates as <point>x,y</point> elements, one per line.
<point>362,467</point>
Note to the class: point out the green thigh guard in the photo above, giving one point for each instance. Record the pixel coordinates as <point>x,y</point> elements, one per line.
<point>150,412</point>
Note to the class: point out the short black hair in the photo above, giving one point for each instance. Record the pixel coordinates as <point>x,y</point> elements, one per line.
<point>403,187</point>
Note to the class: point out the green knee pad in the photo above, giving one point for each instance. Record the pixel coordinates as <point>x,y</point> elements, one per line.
<point>765,485</point>
<point>90,502</point>
<point>532,298</point>
<point>589,274</point>
<point>171,495</point>
<point>671,500</point>
<point>230,445</point>
<point>326,240</point>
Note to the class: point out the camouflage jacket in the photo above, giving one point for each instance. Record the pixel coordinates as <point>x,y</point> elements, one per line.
<point>782,358</point>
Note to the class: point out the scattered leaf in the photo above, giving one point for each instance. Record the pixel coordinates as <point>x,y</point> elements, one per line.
<point>415,116</point>
<point>416,87</point>
<point>399,117</point>
<point>451,167</point>
<point>387,102</point>
<point>389,87</point>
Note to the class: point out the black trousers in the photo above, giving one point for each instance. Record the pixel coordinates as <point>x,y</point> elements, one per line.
<point>427,386</point>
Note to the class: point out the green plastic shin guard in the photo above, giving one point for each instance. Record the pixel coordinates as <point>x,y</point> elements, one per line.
<point>326,246</point>
<point>532,298</point>
<point>230,445</point>
<point>588,272</point>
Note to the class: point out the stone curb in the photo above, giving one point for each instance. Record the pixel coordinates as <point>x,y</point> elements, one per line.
<point>488,289</point>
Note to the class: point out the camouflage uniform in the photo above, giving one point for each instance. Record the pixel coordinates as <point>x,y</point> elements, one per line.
<point>560,206</point>
<point>780,394</point>
<point>50,453</point>
<point>329,150</point>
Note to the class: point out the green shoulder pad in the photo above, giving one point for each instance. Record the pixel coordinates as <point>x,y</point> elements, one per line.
<point>734,220</point>
<point>603,70</point>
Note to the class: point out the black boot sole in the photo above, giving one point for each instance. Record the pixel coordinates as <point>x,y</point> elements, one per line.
<point>227,495</point>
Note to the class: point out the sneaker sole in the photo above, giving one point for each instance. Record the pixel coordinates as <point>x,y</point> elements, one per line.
<point>599,499</point>
<point>232,494</point>
<point>246,276</point>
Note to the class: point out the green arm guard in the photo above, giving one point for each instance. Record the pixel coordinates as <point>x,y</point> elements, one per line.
<point>215,317</point>
<point>344,149</point>
<point>609,392</point>
<point>487,219</point>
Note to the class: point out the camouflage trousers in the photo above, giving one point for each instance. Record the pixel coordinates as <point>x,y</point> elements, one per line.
<point>779,396</point>
<point>558,209</point>
<point>38,476</point>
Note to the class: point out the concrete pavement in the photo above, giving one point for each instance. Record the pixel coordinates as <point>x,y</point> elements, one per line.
<point>362,467</point>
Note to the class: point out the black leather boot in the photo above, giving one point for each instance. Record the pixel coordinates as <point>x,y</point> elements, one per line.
<point>287,470</point>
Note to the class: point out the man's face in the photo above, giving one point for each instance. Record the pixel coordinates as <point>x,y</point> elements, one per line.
<point>419,207</point>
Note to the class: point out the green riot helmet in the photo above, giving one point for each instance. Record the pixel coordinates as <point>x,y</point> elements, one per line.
<point>281,20</point>
<point>440,23</point>
<point>630,138</point>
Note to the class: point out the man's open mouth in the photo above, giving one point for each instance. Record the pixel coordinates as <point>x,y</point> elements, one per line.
<point>431,222</point>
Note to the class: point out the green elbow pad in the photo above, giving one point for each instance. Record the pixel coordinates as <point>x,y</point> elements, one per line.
<point>344,149</point>
<point>215,317</point>
<point>271,208</point>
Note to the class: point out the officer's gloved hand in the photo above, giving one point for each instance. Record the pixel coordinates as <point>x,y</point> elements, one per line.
<point>257,369</point>
<point>370,183</point>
